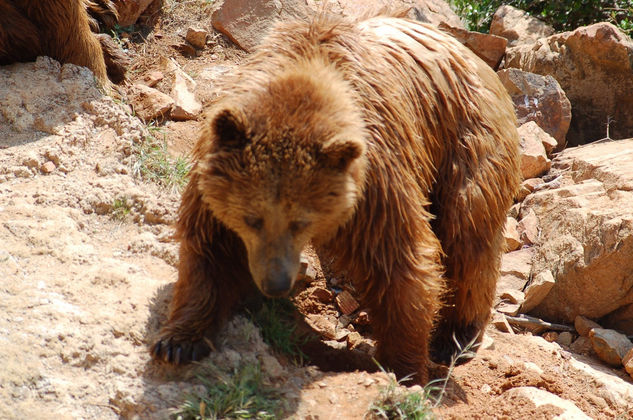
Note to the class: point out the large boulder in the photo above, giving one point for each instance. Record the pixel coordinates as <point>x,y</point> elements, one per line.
<point>594,67</point>
<point>586,231</point>
<point>540,99</point>
<point>246,22</point>
<point>490,48</point>
<point>517,26</point>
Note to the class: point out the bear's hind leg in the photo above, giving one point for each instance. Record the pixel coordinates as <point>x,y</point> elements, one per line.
<point>403,312</point>
<point>471,214</point>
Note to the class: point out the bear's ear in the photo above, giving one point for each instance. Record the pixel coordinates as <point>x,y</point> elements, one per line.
<point>341,153</point>
<point>229,130</point>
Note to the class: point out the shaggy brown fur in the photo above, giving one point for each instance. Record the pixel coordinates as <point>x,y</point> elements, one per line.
<point>388,145</point>
<point>59,29</point>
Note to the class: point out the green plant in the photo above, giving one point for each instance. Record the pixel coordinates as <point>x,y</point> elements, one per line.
<point>120,209</point>
<point>153,163</point>
<point>275,320</point>
<point>563,15</point>
<point>394,402</point>
<point>242,395</point>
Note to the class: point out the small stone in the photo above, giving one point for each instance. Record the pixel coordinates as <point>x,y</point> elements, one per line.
<point>513,296</point>
<point>610,345</point>
<point>186,49</point>
<point>528,228</point>
<point>486,389</point>
<point>550,336</point>
<point>48,167</point>
<point>310,274</point>
<point>487,343</point>
<point>532,183</point>
<point>564,338</point>
<point>511,234</point>
<point>148,103</point>
<point>354,339</point>
<point>346,302</point>
<point>362,318</point>
<point>186,106</point>
<point>582,345</point>
<point>537,290</point>
<point>531,366</point>
<point>322,294</point>
<point>303,266</point>
<point>534,161</point>
<point>336,344</point>
<point>511,309</point>
<point>196,37</point>
<point>152,78</point>
<point>501,323</point>
<point>627,361</point>
<point>367,347</point>
<point>584,325</point>
<point>322,325</point>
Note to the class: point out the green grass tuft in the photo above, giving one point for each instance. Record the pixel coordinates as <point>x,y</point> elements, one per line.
<point>154,163</point>
<point>120,209</point>
<point>395,402</point>
<point>276,323</point>
<point>242,395</point>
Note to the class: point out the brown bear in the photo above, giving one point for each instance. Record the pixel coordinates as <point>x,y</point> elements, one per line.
<point>59,29</point>
<point>384,142</point>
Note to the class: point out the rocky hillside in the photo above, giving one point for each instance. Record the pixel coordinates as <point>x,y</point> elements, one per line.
<point>89,187</point>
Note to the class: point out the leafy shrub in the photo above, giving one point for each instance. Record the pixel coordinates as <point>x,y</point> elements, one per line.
<point>563,15</point>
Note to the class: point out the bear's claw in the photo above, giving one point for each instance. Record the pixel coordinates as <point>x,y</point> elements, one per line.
<point>464,342</point>
<point>179,353</point>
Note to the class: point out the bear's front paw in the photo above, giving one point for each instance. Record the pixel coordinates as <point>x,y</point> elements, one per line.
<point>177,352</point>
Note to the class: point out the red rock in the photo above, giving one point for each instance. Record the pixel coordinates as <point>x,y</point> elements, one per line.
<point>537,290</point>
<point>196,37</point>
<point>152,78</point>
<point>584,325</point>
<point>610,345</point>
<point>593,66</point>
<point>511,235</point>
<point>322,325</point>
<point>48,167</point>
<point>517,26</point>
<point>490,48</point>
<point>534,161</point>
<point>346,302</point>
<point>321,294</point>
<point>540,99</point>
<point>148,103</point>
<point>528,228</point>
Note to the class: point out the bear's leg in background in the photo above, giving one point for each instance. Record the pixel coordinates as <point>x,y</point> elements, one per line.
<point>213,278</point>
<point>402,314</point>
<point>19,38</point>
<point>470,227</point>
<point>65,33</point>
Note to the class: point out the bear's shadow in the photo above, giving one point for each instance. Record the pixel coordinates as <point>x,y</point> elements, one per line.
<point>328,359</point>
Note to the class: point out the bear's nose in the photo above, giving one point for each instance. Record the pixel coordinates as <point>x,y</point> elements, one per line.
<point>278,281</point>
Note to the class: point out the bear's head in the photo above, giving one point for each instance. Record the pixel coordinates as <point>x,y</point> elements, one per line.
<point>285,166</point>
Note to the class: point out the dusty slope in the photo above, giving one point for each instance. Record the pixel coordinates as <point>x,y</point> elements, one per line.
<point>82,291</point>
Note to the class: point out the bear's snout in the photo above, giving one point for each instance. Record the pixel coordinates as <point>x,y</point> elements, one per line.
<point>277,284</point>
<point>278,280</point>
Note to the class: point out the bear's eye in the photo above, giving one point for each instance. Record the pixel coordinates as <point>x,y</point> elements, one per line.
<point>254,222</point>
<point>298,226</point>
